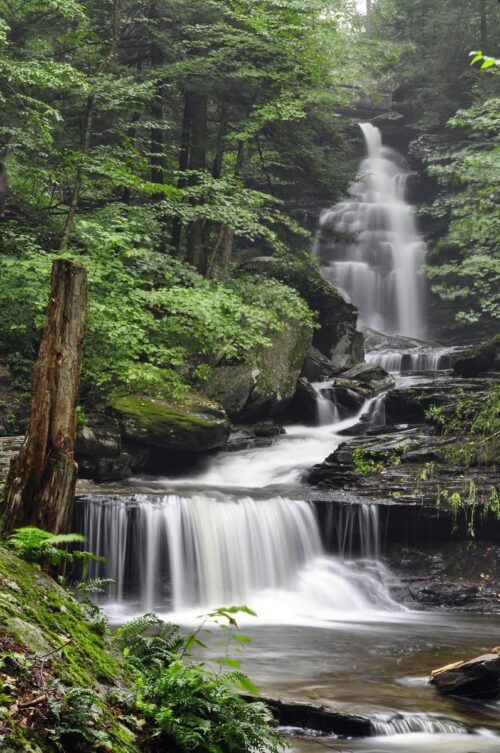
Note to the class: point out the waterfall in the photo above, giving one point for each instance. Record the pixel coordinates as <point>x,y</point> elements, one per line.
<point>376,251</point>
<point>326,408</point>
<point>413,359</point>
<point>176,554</point>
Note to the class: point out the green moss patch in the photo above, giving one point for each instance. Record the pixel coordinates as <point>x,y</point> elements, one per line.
<point>46,638</point>
<point>195,427</point>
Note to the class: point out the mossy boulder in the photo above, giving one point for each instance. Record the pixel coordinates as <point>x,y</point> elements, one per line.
<point>337,337</point>
<point>265,383</point>
<point>47,641</point>
<point>196,426</point>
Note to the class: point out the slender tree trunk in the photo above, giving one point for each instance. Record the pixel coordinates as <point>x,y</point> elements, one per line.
<point>41,482</point>
<point>219,146</point>
<point>198,162</point>
<point>369,25</point>
<point>87,128</point>
<point>183,166</point>
<point>484,22</point>
<point>225,240</point>
<point>157,160</point>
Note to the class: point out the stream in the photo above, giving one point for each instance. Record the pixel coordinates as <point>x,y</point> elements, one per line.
<point>243,529</point>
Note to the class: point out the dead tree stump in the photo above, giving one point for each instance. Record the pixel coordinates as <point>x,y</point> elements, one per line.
<point>41,482</point>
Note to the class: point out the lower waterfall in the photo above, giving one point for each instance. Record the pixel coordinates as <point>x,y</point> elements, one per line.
<point>179,555</point>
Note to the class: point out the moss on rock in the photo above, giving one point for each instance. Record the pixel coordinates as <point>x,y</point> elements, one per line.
<point>196,426</point>
<point>41,623</point>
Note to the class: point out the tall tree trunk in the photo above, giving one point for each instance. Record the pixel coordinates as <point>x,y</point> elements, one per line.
<point>225,240</point>
<point>183,165</point>
<point>484,22</point>
<point>219,146</point>
<point>41,482</point>
<point>369,25</point>
<point>87,128</point>
<point>198,161</point>
<point>157,161</point>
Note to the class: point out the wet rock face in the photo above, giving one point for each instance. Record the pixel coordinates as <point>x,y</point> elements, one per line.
<point>337,337</point>
<point>141,433</point>
<point>372,379</point>
<point>477,678</point>
<point>265,383</point>
<point>409,404</point>
<point>460,574</point>
<point>481,358</point>
<point>317,367</point>
<point>99,437</point>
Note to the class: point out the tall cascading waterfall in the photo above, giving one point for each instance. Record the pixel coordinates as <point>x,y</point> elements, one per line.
<point>176,554</point>
<point>371,247</point>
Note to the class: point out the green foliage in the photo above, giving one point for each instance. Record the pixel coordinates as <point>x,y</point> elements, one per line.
<point>475,423</point>
<point>191,705</point>
<point>75,719</point>
<point>38,546</point>
<point>485,60</point>
<point>93,104</point>
<point>432,77</point>
<point>366,461</point>
<point>466,266</point>
<point>153,321</point>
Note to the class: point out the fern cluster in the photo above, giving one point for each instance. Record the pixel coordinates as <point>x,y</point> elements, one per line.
<point>190,705</point>
<point>41,547</point>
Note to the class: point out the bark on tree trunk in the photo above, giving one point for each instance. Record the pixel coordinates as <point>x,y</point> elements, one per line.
<point>42,477</point>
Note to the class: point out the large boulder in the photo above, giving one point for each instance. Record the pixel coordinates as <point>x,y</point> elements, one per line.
<point>196,427</point>
<point>317,367</point>
<point>99,436</point>
<point>477,678</point>
<point>372,378</point>
<point>265,383</point>
<point>480,359</point>
<point>337,337</point>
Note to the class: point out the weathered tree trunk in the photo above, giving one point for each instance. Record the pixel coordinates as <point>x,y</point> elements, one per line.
<point>225,240</point>
<point>42,477</point>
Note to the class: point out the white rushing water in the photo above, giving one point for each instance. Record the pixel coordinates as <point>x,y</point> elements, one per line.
<point>181,555</point>
<point>281,464</point>
<point>376,252</point>
<point>413,359</point>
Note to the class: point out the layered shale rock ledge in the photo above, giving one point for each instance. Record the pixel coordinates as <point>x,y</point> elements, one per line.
<point>479,359</point>
<point>407,460</point>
